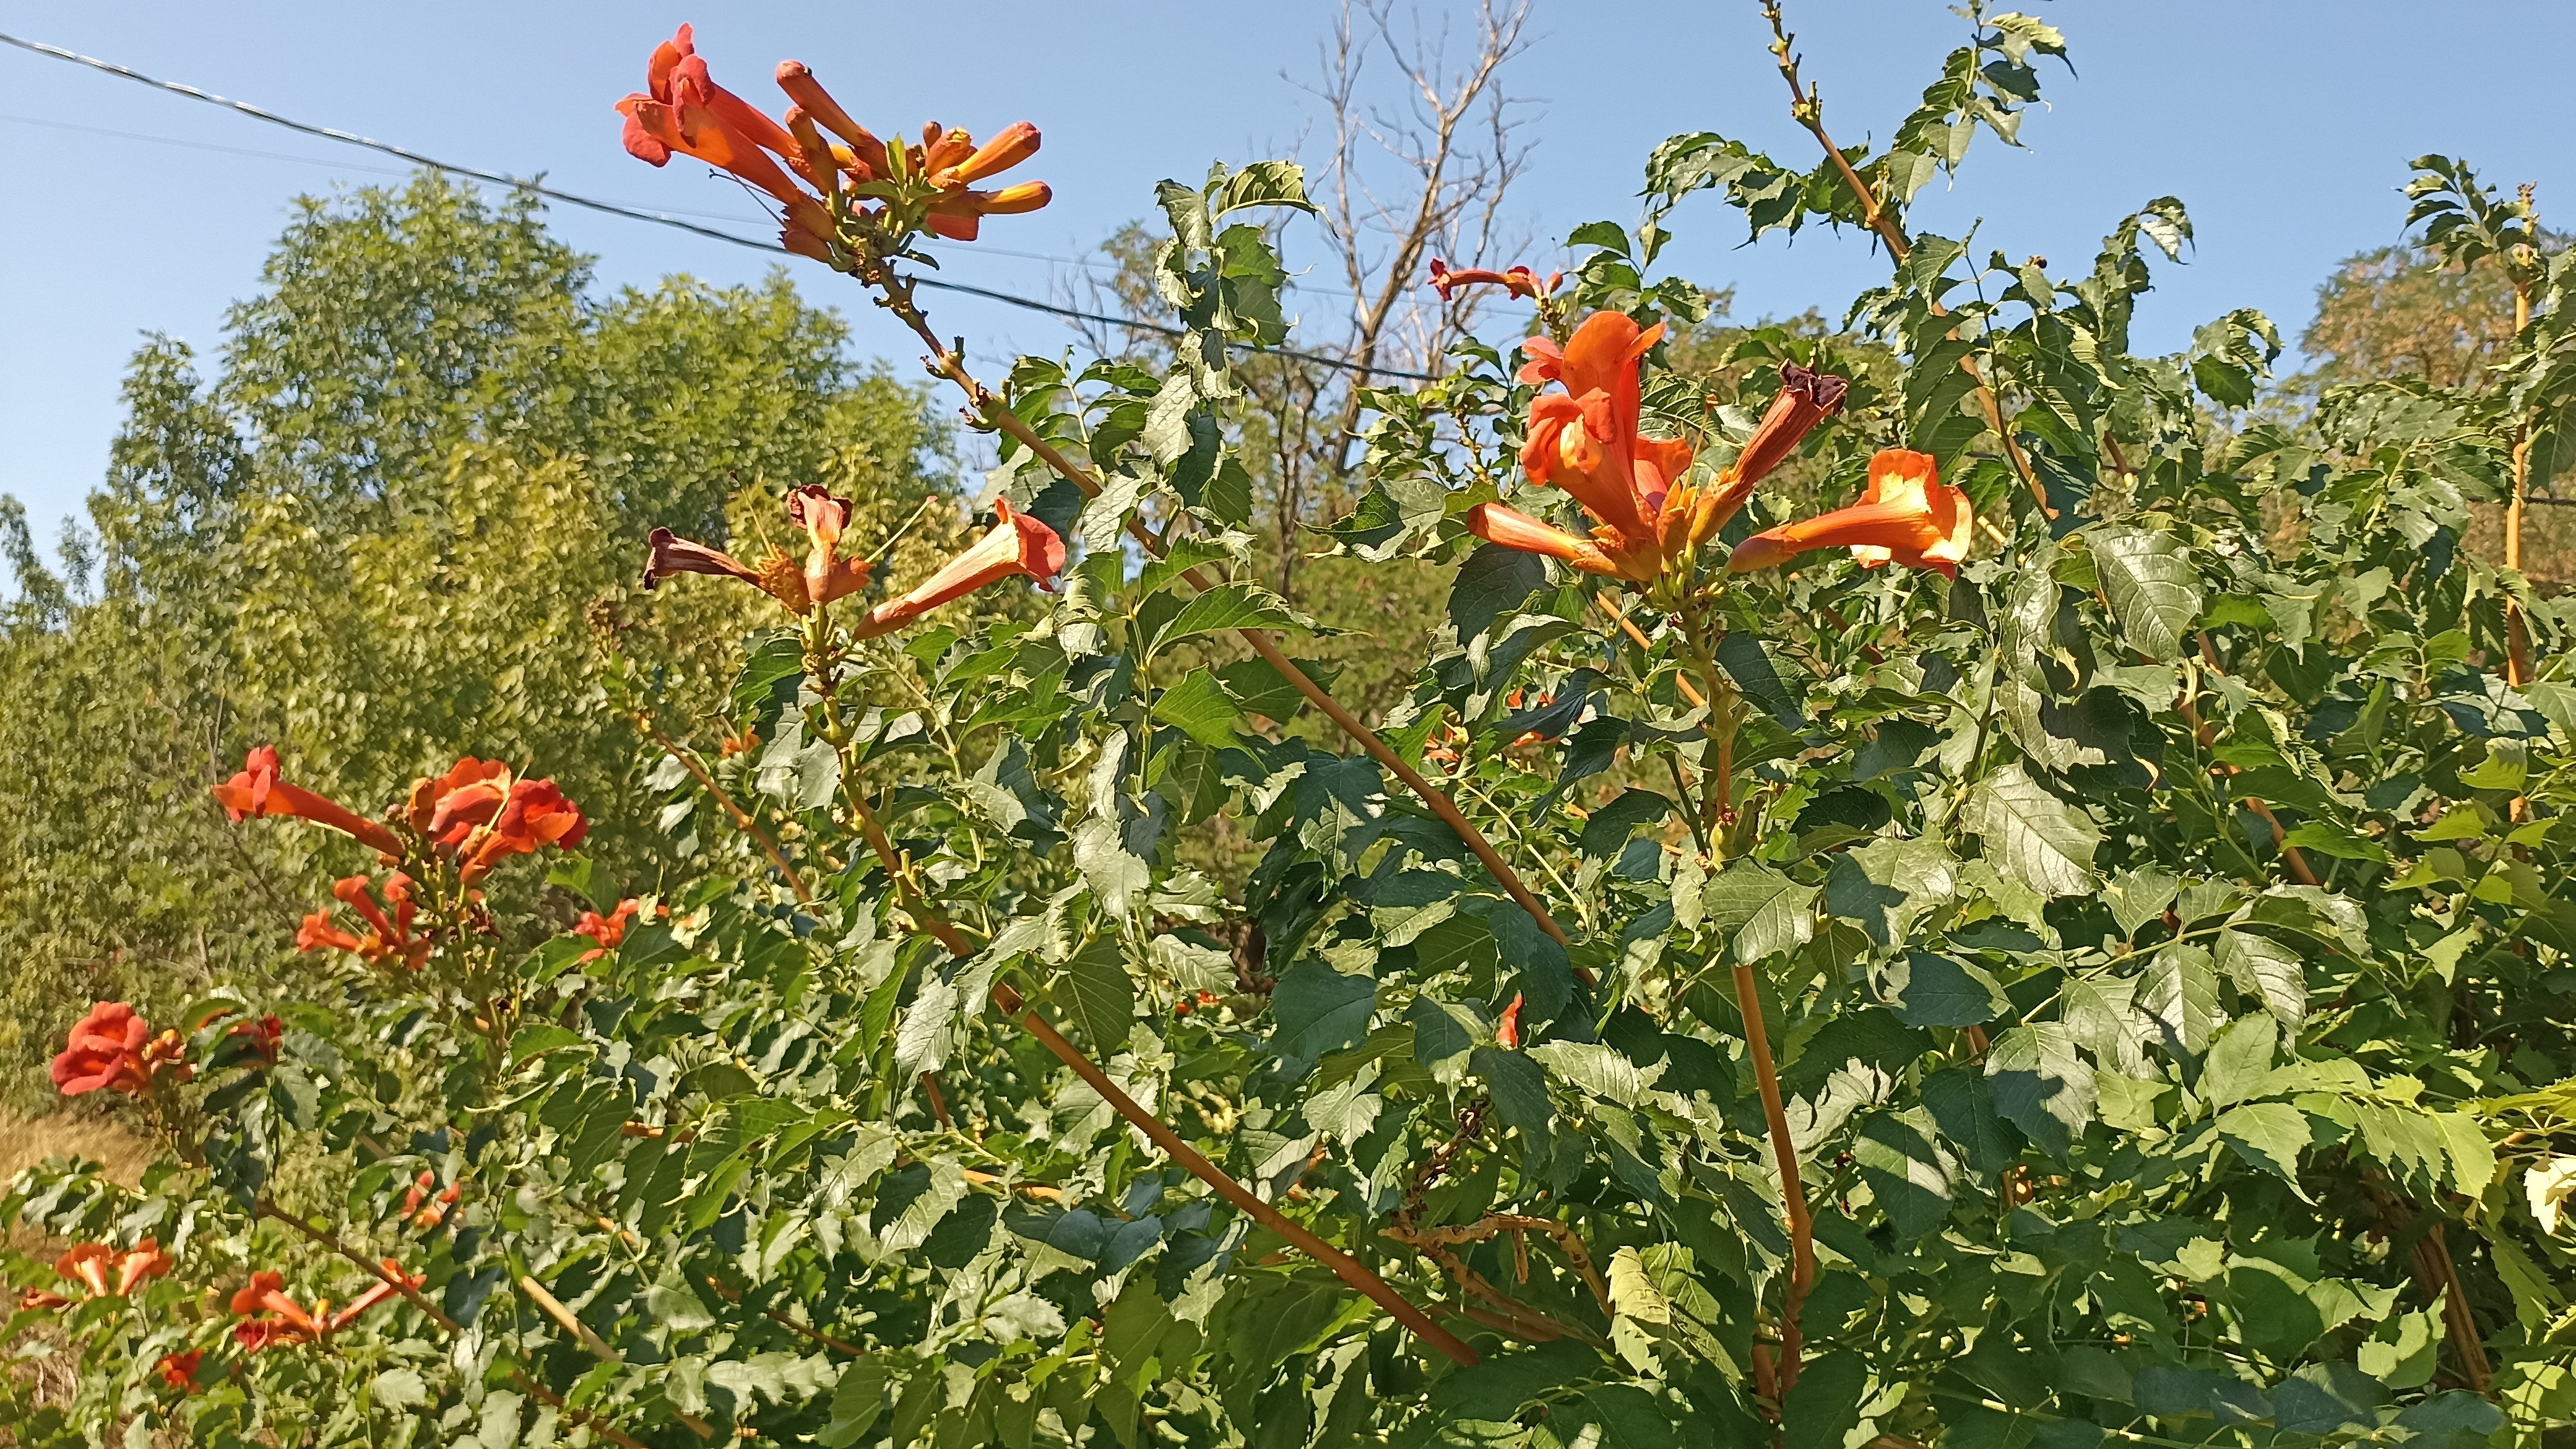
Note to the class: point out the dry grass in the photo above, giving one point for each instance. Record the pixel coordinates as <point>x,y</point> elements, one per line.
<point>23,1144</point>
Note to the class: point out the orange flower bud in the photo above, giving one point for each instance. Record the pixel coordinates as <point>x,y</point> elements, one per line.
<point>809,95</point>
<point>1016,143</point>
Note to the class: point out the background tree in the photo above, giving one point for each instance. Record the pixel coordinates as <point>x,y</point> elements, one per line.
<point>428,450</point>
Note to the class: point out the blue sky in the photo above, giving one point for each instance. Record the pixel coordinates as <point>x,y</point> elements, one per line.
<point>2284,125</point>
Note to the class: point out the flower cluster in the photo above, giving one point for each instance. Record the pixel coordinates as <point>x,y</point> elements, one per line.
<point>425,1204</point>
<point>479,813</point>
<point>113,1047</point>
<point>930,184</point>
<point>1586,441</point>
<point>272,1318</point>
<point>1017,545</point>
<point>105,1271</point>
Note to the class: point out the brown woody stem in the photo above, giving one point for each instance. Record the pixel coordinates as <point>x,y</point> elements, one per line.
<point>741,818</point>
<point>1793,1186</point>
<point>1807,106</point>
<point>1349,1269</point>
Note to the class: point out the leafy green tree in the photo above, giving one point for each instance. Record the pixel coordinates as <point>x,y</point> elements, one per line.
<point>376,535</point>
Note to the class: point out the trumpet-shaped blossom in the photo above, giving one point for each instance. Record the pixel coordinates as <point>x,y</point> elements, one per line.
<point>1586,442</point>
<point>257,790</point>
<point>1906,516</point>
<point>824,518</point>
<point>452,806</point>
<point>113,1048</point>
<point>537,815</point>
<point>389,935</point>
<point>1519,281</point>
<point>682,111</point>
<point>179,1370</point>
<point>270,1316</point>
<point>825,576</point>
<point>608,930</point>
<point>1018,544</point>
<point>35,1299</point>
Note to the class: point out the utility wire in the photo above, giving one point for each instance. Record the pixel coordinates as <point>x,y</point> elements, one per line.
<point>611,208</point>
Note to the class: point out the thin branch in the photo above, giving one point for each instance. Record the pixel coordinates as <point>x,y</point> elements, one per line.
<point>1349,1269</point>
<point>741,818</point>
<point>1807,106</point>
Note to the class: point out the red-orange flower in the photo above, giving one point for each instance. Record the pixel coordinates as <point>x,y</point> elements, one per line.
<point>608,930</point>
<point>1907,516</point>
<point>449,807</point>
<point>826,575</point>
<point>1519,281</point>
<point>421,1208</point>
<point>1585,441</point>
<point>179,1370</point>
<point>537,814</point>
<point>257,790</point>
<point>88,1264</point>
<point>271,1316</point>
<point>264,1034</point>
<point>682,110</point>
<point>1508,1030</point>
<point>824,517</point>
<point>389,936</point>
<point>1018,544</point>
<point>107,1048</point>
<point>108,1273</point>
<point>36,1298</point>
<point>144,1260</point>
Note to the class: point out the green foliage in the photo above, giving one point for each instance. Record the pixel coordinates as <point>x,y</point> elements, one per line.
<point>375,536</point>
<point>2148,947</point>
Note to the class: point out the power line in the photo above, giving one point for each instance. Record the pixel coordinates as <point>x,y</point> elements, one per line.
<point>611,208</point>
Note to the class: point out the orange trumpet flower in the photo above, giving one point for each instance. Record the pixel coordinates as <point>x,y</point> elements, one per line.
<point>1018,544</point>
<point>608,930</point>
<point>681,109</point>
<point>179,1370</point>
<point>825,576</point>
<point>87,1264</point>
<point>1586,441</point>
<point>106,1048</point>
<point>1907,516</point>
<point>257,790</point>
<point>537,814</point>
<point>824,517</point>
